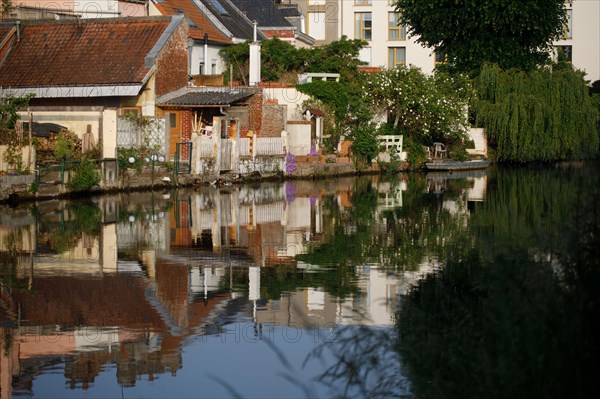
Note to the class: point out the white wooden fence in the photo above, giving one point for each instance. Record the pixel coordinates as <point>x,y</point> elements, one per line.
<point>206,147</point>
<point>270,146</point>
<point>267,213</point>
<point>244,147</point>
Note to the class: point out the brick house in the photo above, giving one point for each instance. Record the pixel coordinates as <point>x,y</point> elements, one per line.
<point>86,73</point>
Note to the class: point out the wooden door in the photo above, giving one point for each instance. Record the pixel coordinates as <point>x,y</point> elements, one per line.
<point>174,118</point>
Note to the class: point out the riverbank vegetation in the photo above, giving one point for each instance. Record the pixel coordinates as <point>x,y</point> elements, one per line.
<point>543,115</point>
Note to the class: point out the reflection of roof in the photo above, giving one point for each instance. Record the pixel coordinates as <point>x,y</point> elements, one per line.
<point>114,300</point>
<point>204,97</point>
<point>199,23</point>
<point>264,12</point>
<point>82,52</point>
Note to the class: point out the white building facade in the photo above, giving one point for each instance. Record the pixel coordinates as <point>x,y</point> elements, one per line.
<point>376,22</point>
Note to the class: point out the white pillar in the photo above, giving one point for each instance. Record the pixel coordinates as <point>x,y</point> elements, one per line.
<point>254,59</point>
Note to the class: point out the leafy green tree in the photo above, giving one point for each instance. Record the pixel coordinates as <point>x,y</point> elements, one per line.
<point>8,111</point>
<point>280,59</point>
<point>543,115</point>
<point>427,108</point>
<point>365,146</point>
<point>511,33</point>
<point>8,135</point>
<point>344,101</point>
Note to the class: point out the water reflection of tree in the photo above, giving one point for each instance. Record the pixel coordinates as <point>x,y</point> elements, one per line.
<point>63,230</point>
<point>398,239</point>
<point>519,316</point>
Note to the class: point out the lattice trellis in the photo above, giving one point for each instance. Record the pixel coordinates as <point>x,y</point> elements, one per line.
<point>150,136</point>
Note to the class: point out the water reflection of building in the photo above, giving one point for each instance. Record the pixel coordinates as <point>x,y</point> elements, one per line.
<point>260,224</point>
<point>164,267</point>
<point>82,306</point>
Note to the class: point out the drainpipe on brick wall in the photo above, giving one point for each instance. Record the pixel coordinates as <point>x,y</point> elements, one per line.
<point>190,49</point>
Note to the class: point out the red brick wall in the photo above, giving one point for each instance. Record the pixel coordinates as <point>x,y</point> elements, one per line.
<point>186,131</point>
<point>282,33</point>
<point>172,61</point>
<point>273,120</point>
<point>255,116</point>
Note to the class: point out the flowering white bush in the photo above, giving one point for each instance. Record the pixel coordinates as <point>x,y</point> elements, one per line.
<point>429,108</point>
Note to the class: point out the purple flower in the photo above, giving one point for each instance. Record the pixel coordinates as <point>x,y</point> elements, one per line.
<point>290,163</point>
<point>290,192</point>
<point>313,151</point>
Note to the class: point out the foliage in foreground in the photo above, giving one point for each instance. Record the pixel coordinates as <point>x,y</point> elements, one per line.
<point>542,115</point>
<point>512,33</point>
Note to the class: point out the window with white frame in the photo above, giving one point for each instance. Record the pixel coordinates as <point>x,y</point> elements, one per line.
<point>396,56</point>
<point>362,25</point>
<point>362,2</point>
<point>396,31</point>
<point>315,25</point>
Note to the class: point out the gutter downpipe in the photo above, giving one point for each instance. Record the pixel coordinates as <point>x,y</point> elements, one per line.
<point>205,72</point>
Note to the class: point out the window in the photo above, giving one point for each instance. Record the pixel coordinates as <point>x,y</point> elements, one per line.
<point>396,56</point>
<point>395,31</point>
<point>362,25</point>
<point>362,2</point>
<point>440,57</point>
<point>563,54</point>
<point>134,111</point>
<point>316,2</point>
<point>172,120</point>
<point>568,25</point>
<point>316,25</point>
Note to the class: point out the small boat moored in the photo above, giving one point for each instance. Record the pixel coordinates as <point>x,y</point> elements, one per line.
<point>457,165</point>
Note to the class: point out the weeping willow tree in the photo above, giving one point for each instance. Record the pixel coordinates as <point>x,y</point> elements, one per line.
<point>542,115</point>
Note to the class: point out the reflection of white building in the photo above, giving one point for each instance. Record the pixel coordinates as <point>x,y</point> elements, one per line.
<point>375,303</point>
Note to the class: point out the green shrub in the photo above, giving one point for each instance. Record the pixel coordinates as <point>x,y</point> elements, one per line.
<point>84,177</point>
<point>65,146</point>
<point>416,152</point>
<point>123,155</point>
<point>365,146</point>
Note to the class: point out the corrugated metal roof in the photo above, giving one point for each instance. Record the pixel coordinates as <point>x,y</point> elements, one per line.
<point>217,97</point>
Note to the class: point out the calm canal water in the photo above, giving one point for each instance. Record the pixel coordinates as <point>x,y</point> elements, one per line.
<point>475,285</point>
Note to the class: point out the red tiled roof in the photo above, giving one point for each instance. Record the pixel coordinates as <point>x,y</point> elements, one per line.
<point>202,24</point>
<point>84,52</point>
